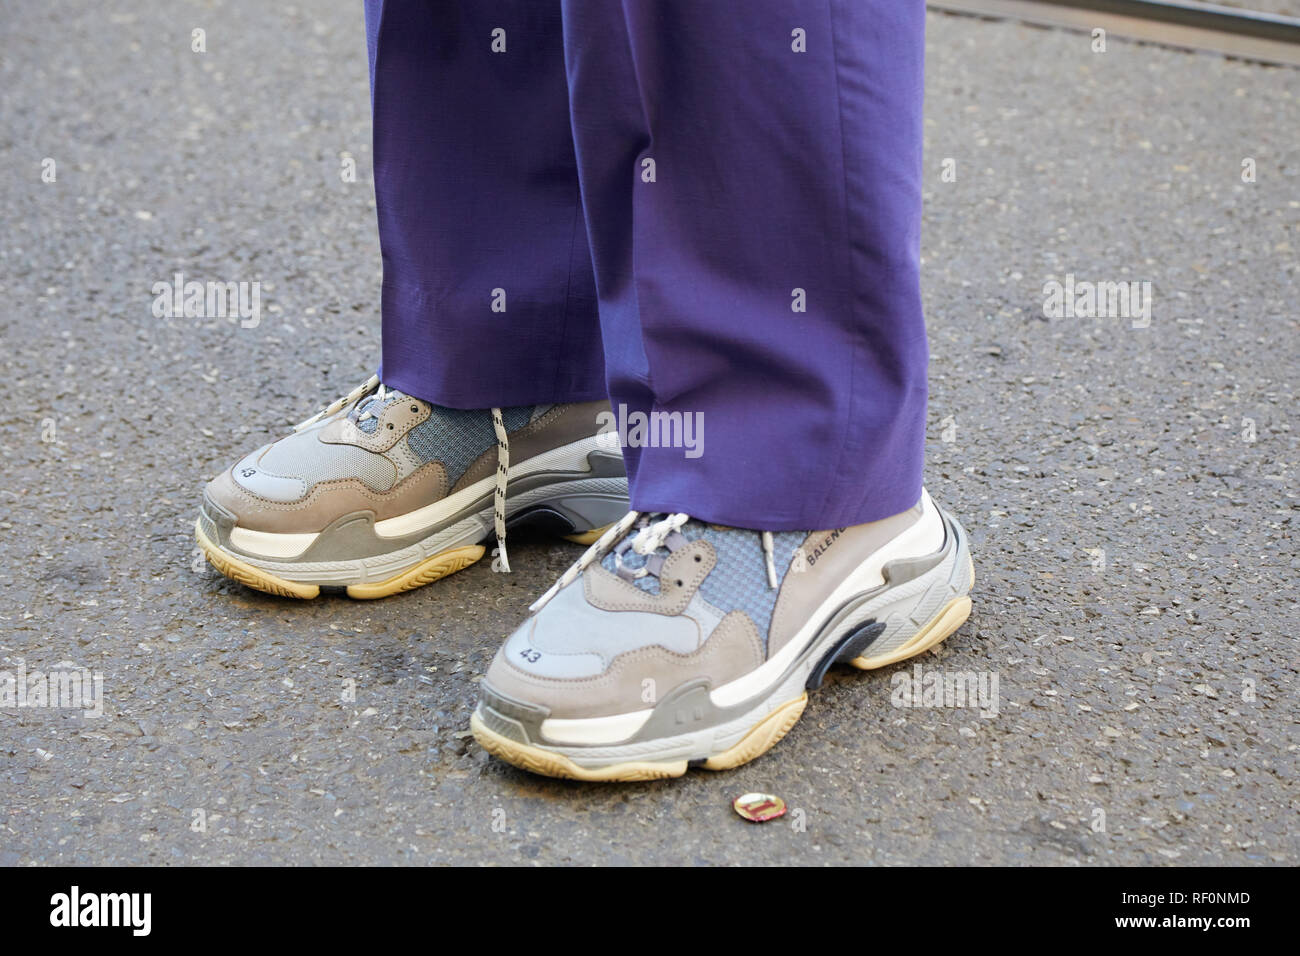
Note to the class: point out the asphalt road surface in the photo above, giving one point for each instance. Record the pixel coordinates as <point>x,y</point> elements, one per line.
<point>1130,486</point>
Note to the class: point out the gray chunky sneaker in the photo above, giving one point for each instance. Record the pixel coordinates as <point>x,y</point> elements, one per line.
<point>674,643</point>
<point>382,492</point>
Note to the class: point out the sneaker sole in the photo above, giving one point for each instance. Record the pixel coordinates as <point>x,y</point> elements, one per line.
<point>425,572</point>
<point>773,723</point>
<point>763,737</point>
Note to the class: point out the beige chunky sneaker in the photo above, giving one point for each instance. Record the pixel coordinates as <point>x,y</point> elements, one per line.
<point>382,492</point>
<point>673,643</point>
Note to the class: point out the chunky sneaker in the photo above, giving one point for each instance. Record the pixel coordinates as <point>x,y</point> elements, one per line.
<point>691,644</point>
<point>382,492</point>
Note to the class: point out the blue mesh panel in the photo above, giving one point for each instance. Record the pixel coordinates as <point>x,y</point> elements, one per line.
<point>514,418</point>
<point>456,436</point>
<point>739,580</point>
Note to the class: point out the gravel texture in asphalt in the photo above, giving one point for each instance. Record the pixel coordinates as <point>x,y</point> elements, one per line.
<point>1131,491</point>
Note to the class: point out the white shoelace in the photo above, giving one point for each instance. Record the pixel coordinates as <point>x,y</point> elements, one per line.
<point>498,426</point>
<point>648,539</point>
<point>652,537</point>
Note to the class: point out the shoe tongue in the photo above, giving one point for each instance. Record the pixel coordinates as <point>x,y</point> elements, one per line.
<point>374,405</point>
<point>630,561</point>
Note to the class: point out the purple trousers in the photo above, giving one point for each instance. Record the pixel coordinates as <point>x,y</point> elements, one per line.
<point>704,207</point>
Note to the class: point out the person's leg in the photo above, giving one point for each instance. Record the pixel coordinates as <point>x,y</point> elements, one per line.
<point>488,296</point>
<point>766,279</point>
<point>492,388</point>
<point>751,181</point>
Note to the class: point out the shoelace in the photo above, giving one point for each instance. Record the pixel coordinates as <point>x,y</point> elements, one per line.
<point>336,406</point>
<point>373,384</point>
<point>649,538</point>
<point>503,476</point>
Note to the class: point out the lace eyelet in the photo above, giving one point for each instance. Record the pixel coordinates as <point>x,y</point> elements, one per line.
<point>390,426</point>
<point>415,408</point>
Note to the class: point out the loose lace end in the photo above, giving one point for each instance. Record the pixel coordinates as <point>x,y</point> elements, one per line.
<point>341,403</point>
<point>769,551</point>
<point>503,478</point>
<point>601,545</point>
